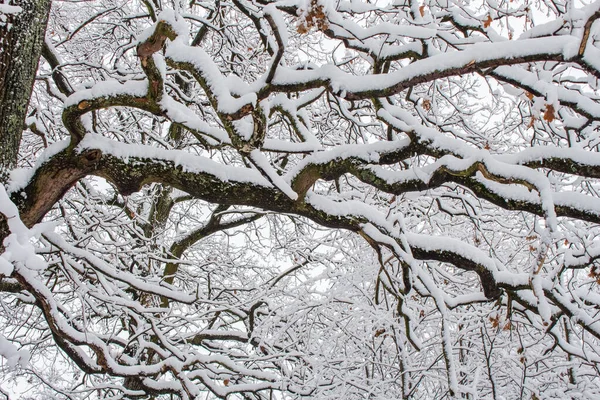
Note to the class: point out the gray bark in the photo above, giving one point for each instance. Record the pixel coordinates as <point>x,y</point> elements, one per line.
<point>21,39</point>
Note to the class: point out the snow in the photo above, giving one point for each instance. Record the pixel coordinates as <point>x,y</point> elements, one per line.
<point>366,152</point>
<point>244,127</point>
<point>355,7</point>
<point>353,209</point>
<point>477,53</point>
<point>11,353</point>
<point>437,243</point>
<point>170,17</point>
<point>512,261</point>
<point>286,146</point>
<point>591,57</point>
<point>216,83</point>
<point>20,177</point>
<point>8,9</point>
<point>106,89</point>
<point>345,27</point>
<point>543,305</point>
<point>160,63</point>
<point>181,114</point>
<point>19,251</point>
<point>261,162</point>
<point>546,29</point>
<point>176,22</point>
<point>541,153</point>
<point>395,177</point>
<point>551,91</point>
<point>293,109</point>
<point>188,162</point>
<point>577,201</point>
<point>272,11</point>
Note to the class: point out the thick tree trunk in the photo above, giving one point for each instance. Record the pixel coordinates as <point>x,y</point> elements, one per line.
<point>22,33</point>
<point>21,38</point>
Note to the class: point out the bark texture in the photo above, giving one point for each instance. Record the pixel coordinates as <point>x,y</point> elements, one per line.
<point>21,39</point>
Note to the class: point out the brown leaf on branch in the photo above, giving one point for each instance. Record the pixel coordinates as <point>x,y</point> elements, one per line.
<point>495,320</point>
<point>422,10</point>
<point>549,113</point>
<point>315,17</point>
<point>302,29</point>
<point>487,22</point>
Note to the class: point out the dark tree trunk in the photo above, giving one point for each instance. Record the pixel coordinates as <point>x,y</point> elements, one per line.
<point>21,39</point>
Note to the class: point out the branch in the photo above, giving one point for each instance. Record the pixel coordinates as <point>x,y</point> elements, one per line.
<point>59,79</point>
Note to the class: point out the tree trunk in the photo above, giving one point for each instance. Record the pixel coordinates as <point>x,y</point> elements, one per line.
<point>21,38</point>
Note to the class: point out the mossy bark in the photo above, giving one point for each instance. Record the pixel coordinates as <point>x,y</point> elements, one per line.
<point>21,39</point>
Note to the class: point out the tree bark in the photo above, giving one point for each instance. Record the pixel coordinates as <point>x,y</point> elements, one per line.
<point>21,38</point>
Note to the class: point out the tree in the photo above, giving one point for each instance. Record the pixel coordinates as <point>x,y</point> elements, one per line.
<point>21,36</point>
<point>328,199</point>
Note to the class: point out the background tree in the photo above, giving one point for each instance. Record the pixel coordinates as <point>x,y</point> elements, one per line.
<point>255,199</point>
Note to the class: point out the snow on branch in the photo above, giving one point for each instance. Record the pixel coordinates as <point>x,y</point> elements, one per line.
<point>276,199</point>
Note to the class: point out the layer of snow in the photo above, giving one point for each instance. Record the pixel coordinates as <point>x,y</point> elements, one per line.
<point>188,162</point>
<point>107,89</point>
<point>20,177</point>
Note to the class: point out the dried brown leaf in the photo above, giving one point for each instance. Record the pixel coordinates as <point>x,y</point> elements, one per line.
<point>495,320</point>
<point>302,29</point>
<point>487,22</point>
<point>549,113</point>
